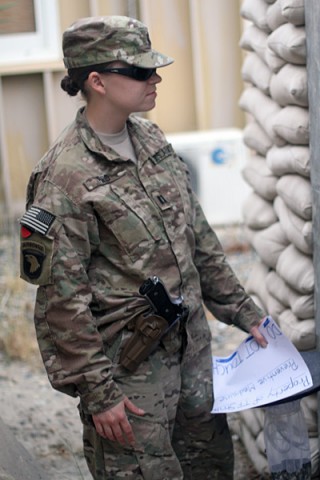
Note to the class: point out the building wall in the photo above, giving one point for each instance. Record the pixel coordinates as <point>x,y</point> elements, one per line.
<point>199,91</point>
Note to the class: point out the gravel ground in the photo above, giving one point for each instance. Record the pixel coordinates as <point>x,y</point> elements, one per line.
<point>45,421</point>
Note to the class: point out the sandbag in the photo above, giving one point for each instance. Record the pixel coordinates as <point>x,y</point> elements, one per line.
<point>309,407</point>
<point>275,308</point>
<point>256,12</point>
<point>274,62</point>
<point>274,16</point>
<point>255,138</point>
<point>291,123</point>
<point>289,159</point>
<point>252,421</point>
<point>297,230</point>
<point>264,110</point>
<point>296,269</point>
<point>296,193</point>
<point>255,71</point>
<point>256,283</point>
<point>269,243</point>
<point>301,305</point>
<point>253,39</point>
<point>289,43</point>
<point>293,11</point>
<point>290,86</point>
<point>256,456</point>
<point>259,176</point>
<point>257,212</point>
<point>301,333</point>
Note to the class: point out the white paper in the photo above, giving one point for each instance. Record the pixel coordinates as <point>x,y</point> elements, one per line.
<point>253,376</point>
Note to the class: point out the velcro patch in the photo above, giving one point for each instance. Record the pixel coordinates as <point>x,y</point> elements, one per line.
<point>36,259</point>
<point>38,220</point>
<point>25,232</point>
<point>33,258</point>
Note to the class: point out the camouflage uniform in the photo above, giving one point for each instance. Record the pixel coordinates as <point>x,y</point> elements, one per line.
<point>97,225</point>
<point>110,225</point>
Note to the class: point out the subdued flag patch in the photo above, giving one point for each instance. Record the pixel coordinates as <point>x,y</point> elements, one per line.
<point>37,219</point>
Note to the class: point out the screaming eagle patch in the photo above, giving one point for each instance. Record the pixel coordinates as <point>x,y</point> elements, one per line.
<point>36,246</point>
<point>34,255</point>
<point>36,259</point>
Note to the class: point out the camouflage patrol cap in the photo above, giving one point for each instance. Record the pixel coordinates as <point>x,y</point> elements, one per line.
<point>95,40</point>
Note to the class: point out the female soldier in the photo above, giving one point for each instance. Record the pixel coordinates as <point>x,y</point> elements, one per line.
<point>109,207</point>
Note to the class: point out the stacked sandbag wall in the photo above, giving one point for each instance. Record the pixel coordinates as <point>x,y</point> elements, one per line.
<point>278,212</point>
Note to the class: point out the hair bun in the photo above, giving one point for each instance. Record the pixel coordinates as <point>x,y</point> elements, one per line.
<point>69,86</point>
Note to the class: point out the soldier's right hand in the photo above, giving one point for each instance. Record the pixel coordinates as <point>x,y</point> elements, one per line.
<point>114,425</point>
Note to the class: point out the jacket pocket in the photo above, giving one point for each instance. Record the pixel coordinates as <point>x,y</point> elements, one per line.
<point>125,209</point>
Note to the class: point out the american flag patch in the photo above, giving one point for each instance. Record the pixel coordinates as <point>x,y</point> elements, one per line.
<point>38,220</point>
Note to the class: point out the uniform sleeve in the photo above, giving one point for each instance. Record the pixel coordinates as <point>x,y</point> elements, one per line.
<point>56,257</point>
<point>222,292</point>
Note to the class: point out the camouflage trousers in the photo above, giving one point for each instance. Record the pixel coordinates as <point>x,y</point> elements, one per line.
<point>177,438</point>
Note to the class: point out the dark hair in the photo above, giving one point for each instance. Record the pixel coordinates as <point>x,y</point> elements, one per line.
<point>74,81</point>
<point>69,86</point>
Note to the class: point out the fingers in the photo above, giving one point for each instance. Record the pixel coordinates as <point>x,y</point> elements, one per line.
<point>121,433</point>
<point>105,431</point>
<point>114,424</point>
<point>255,332</point>
<point>132,408</point>
<point>114,427</point>
<point>127,433</point>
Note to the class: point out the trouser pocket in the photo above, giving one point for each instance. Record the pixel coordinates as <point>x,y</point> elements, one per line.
<point>152,459</point>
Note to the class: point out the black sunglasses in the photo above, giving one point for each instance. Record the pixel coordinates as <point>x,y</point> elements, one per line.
<point>137,73</point>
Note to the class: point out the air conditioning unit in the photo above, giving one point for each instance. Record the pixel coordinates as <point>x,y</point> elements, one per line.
<point>215,159</point>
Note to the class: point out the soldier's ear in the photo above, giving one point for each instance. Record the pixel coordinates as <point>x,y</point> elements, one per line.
<point>95,82</point>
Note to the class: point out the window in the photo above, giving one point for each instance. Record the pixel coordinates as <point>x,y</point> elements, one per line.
<point>28,31</point>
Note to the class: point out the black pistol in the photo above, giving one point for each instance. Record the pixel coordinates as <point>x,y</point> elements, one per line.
<point>150,327</point>
<point>173,310</point>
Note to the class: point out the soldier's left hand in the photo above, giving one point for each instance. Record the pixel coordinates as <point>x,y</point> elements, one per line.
<point>257,335</point>
<point>114,425</point>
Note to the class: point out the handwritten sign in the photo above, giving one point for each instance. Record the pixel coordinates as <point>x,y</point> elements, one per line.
<point>253,376</point>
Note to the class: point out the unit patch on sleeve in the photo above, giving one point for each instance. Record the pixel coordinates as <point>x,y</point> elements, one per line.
<point>36,259</point>
<point>36,246</point>
<point>34,255</point>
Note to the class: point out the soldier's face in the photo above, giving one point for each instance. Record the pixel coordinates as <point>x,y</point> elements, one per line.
<point>128,94</point>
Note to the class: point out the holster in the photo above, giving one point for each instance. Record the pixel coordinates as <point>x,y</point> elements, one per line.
<point>145,338</point>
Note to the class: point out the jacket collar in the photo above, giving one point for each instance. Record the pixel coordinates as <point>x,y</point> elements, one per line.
<point>146,143</point>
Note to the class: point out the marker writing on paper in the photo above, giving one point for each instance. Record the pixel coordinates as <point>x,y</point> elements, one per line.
<point>289,364</point>
<point>252,347</point>
<point>271,329</point>
<point>292,383</point>
<point>236,393</point>
<point>223,366</point>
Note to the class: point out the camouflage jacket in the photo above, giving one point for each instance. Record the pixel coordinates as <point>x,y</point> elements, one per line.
<point>98,225</point>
